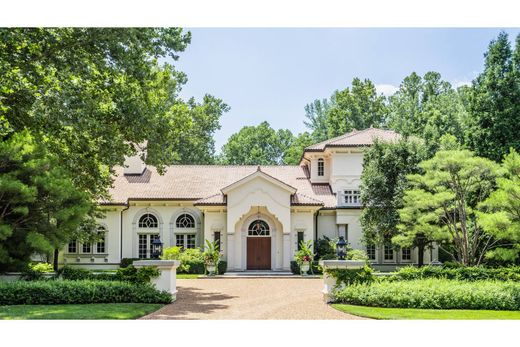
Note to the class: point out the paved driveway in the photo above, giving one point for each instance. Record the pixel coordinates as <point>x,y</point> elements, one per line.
<point>249,298</point>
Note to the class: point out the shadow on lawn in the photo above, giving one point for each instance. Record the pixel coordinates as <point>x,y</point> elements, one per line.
<point>191,301</point>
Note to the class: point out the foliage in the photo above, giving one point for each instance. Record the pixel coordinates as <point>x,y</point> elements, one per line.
<point>429,108</point>
<point>383,184</point>
<point>434,294</point>
<point>415,313</point>
<point>89,94</point>
<point>347,277</point>
<point>464,273</point>
<point>304,254</point>
<point>83,311</point>
<point>316,114</point>
<point>211,255</point>
<point>78,292</point>
<point>130,274</point>
<point>257,145</point>
<point>293,154</point>
<point>326,248</point>
<point>315,268</point>
<point>41,208</point>
<point>500,212</point>
<point>493,101</point>
<point>356,254</point>
<point>441,204</point>
<point>188,257</point>
<point>125,262</point>
<point>41,267</point>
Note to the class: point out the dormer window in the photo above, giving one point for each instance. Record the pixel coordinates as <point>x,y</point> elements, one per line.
<point>352,197</point>
<point>321,167</point>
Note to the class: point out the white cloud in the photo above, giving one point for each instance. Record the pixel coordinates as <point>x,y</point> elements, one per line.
<point>457,84</point>
<point>386,89</point>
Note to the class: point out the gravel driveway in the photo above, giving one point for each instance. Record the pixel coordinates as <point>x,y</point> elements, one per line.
<point>249,298</point>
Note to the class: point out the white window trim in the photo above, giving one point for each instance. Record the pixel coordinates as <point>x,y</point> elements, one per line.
<point>406,260</point>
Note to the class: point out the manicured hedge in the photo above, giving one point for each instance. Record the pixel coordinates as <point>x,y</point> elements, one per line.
<point>316,268</point>
<point>126,274</point>
<point>473,273</point>
<point>434,294</point>
<point>194,266</point>
<point>78,292</point>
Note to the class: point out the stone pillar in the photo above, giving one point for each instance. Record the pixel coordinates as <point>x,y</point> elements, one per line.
<point>329,282</point>
<point>286,251</point>
<point>167,279</point>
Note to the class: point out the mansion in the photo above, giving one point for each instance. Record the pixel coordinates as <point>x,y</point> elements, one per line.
<point>258,214</point>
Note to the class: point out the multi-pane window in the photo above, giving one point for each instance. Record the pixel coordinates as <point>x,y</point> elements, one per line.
<point>321,167</point>
<point>371,252</point>
<point>144,246</point>
<point>406,253</point>
<point>185,220</point>
<point>101,243</point>
<point>258,228</point>
<point>388,252</point>
<point>148,220</point>
<point>73,247</point>
<point>86,247</point>
<point>352,197</point>
<point>185,240</point>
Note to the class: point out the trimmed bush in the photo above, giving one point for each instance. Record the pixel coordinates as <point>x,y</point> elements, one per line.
<point>316,268</point>
<point>78,292</point>
<point>473,273</point>
<point>126,274</point>
<point>347,277</point>
<point>125,262</point>
<point>434,294</point>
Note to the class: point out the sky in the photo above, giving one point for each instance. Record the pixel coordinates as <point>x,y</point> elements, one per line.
<point>269,74</point>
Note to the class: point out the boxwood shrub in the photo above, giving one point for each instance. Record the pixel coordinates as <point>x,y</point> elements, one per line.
<point>472,273</point>
<point>434,294</point>
<point>78,292</point>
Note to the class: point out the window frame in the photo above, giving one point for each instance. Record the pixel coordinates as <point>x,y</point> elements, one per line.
<point>409,249</point>
<point>352,196</point>
<point>148,215</point>
<point>321,167</point>
<point>148,237</point>
<point>184,216</point>
<point>251,232</point>
<point>368,254</point>
<point>76,248</point>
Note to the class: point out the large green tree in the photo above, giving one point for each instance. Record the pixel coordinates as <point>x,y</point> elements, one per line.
<point>427,107</point>
<point>89,93</point>
<point>383,183</point>
<point>500,213</point>
<point>257,145</point>
<point>441,205</point>
<point>494,101</point>
<point>40,207</point>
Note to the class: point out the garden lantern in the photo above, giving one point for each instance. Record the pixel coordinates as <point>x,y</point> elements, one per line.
<point>341,248</point>
<point>157,247</point>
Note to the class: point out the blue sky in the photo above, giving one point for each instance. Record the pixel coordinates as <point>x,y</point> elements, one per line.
<point>271,74</point>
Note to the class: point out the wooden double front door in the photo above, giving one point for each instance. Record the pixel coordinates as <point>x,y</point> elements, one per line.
<point>259,253</point>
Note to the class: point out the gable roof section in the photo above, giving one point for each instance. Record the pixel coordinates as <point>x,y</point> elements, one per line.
<point>202,184</point>
<point>356,138</point>
<point>259,173</point>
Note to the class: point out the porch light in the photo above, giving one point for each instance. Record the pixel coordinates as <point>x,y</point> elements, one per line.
<point>157,248</point>
<point>341,248</point>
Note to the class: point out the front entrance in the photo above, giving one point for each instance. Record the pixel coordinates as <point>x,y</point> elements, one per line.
<point>259,246</point>
<point>259,253</point>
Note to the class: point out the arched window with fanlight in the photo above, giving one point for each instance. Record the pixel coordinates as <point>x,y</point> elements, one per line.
<point>148,231</point>
<point>258,228</point>
<point>185,231</point>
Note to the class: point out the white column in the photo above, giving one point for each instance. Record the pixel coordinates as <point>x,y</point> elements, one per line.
<point>286,251</point>
<point>167,279</point>
<point>231,251</point>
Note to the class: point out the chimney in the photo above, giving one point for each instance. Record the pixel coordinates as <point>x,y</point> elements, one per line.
<point>134,165</point>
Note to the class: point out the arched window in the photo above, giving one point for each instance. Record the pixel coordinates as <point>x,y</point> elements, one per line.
<point>321,167</point>
<point>258,228</point>
<point>185,220</point>
<point>148,220</point>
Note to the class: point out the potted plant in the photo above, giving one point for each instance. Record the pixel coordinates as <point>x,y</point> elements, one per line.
<point>304,257</point>
<point>211,257</point>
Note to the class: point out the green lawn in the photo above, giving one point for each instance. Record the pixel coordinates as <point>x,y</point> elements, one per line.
<point>187,276</point>
<point>412,313</point>
<point>86,311</point>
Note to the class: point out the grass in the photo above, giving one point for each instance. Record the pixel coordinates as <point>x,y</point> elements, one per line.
<point>413,313</point>
<point>85,311</point>
<point>187,276</point>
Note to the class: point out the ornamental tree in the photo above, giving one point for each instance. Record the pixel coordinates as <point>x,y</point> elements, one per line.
<point>500,212</point>
<point>441,205</point>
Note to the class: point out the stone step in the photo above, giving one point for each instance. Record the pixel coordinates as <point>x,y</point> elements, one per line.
<point>260,274</point>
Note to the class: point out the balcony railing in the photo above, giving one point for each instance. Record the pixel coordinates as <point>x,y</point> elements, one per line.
<point>349,198</point>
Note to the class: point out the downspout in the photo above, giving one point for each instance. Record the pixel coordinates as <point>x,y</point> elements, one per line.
<point>121,233</point>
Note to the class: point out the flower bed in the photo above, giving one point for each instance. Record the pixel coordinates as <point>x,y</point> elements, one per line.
<point>434,294</point>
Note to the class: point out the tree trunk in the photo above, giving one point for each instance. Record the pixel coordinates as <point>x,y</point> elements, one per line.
<point>420,254</point>
<point>55,259</point>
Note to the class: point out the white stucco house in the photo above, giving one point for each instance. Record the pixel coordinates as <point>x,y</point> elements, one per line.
<point>257,213</point>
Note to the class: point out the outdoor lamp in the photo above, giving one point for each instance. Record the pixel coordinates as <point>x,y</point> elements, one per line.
<point>341,247</point>
<point>157,246</point>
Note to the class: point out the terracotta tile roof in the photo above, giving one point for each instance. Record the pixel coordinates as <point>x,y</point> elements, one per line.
<point>356,138</point>
<point>202,184</point>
